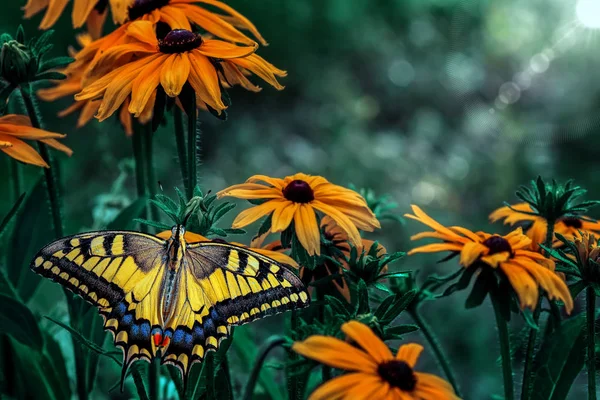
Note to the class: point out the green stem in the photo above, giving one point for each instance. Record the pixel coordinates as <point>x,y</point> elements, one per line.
<point>325,369</point>
<point>254,375</point>
<point>180,139</point>
<point>532,338</point>
<point>193,134</point>
<point>15,173</point>
<point>154,379</point>
<point>138,155</point>
<point>295,389</point>
<point>149,166</point>
<point>504,349</point>
<point>591,341</point>
<point>440,355</point>
<point>54,197</point>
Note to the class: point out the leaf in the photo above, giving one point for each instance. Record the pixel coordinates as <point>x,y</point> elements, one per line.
<point>139,372</point>
<point>559,360</point>
<point>400,304</point>
<point>9,216</point>
<point>56,62</point>
<point>479,291</point>
<point>87,343</point>
<point>577,288</point>
<point>17,321</point>
<point>33,230</point>
<point>51,76</point>
<point>126,218</point>
<point>396,332</point>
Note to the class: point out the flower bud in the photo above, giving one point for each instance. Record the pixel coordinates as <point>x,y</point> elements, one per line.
<point>16,62</point>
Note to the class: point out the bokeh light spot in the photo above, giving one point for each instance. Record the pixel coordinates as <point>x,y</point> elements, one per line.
<point>588,13</point>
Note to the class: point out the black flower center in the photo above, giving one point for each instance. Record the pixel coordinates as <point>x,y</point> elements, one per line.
<point>298,191</point>
<point>140,8</point>
<point>399,374</point>
<point>572,222</point>
<point>179,41</point>
<point>497,244</point>
<point>101,6</point>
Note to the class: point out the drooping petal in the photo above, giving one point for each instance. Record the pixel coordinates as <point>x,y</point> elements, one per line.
<point>261,68</point>
<point>470,252</point>
<point>436,226</point>
<point>143,31</point>
<point>432,387</point>
<point>55,9</point>
<point>522,283</point>
<point>335,353</point>
<point>250,215</point>
<point>55,144</point>
<point>436,248</point>
<point>341,219</point>
<point>370,386</point>
<point>338,388</point>
<point>81,11</point>
<point>203,78</point>
<point>175,17</point>
<point>144,86</point>
<point>250,191</point>
<point>220,49</point>
<point>307,230</point>
<point>282,217</point>
<point>21,151</point>
<point>364,336</point>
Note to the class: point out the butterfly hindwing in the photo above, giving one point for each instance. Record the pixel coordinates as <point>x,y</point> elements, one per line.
<point>117,271</point>
<point>226,285</point>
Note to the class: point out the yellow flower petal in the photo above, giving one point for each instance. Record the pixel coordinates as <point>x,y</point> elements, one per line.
<point>335,353</point>
<point>409,353</point>
<point>307,230</point>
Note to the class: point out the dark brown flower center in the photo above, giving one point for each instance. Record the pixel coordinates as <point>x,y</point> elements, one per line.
<point>100,6</point>
<point>572,222</point>
<point>179,41</point>
<point>497,244</point>
<point>298,191</point>
<point>140,8</point>
<point>399,374</point>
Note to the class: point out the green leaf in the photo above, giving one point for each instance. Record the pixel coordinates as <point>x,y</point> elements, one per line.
<point>396,332</point>
<point>7,218</point>
<point>17,321</point>
<point>559,360</point>
<point>479,291</point>
<point>126,218</point>
<point>266,225</point>
<point>400,304</point>
<point>33,230</point>
<point>139,372</point>
<point>56,62</point>
<point>50,76</point>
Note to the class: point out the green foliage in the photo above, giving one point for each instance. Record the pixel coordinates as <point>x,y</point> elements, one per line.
<point>559,361</point>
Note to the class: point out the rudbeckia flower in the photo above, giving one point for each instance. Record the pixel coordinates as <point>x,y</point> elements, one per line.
<point>297,198</point>
<point>15,128</point>
<point>91,11</point>
<point>181,57</point>
<point>88,108</point>
<point>270,250</point>
<point>373,371</point>
<point>568,227</point>
<point>510,254</point>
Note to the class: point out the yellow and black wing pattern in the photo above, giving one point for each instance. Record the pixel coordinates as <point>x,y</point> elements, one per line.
<point>223,285</point>
<point>117,271</point>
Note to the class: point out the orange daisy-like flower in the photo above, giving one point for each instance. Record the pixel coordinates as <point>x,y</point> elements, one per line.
<point>374,373</point>
<point>15,128</point>
<point>525,269</point>
<point>88,108</point>
<point>181,57</point>
<point>297,198</point>
<point>270,250</point>
<point>568,227</point>
<point>93,12</point>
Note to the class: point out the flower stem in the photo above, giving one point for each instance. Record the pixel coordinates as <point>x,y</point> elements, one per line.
<point>591,341</point>
<point>504,349</point>
<point>180,139</point>
<point>138,155</point>
<point>531,340</point>
<point>193,135</point>
<point>325,369</point>
<point>75,309</point>
<point>149,164</point>
<point>254,375</point>
<point>295,390</point>
<point>154,379</point>
<point>440,355</point>
<point>15,173</point>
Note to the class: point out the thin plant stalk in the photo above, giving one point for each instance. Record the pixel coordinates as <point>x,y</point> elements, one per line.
<point>295,390</point>
<point>591,341</point>
<point>193,135</point>
<point>140,164</point>
<point>325,369</point>
<point>181,146</point>
<point>531,340</point>
<point>504,349</point>
<point>440,355</point>
<point>75,309</point>
<point>254,375</point>
<point>154,379</point>
<point>149,166</point>
<point>15,173</point>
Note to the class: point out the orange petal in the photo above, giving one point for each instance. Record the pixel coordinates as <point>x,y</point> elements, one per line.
<point>23,152</point>
<point>81,11</point>
<point>409,353</point>
<point>471,252</point>
<point>58,146</point>
<point>338,388</point>
<point>250,191</point>
<point>250,215</point>
<point>432,387</point>
<point>55,9</point>
<point>282,217</point>
<point>307,230</point>
<point>335,353</point>
<point>175,18</point>
<point>219,49</point>
<point>275,182</point>
<point>203,78</point>
<point>341,219</point>
<point>523,284</point>
<point>364,336</point>
<point>436,248</point>
<point>174,73</point>
<point>144,86</point>
<point>143,31</point>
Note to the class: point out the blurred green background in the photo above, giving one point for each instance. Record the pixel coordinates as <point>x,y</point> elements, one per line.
<point>447,104</point>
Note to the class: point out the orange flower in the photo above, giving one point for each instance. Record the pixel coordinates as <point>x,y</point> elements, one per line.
<point>374,373</point>
<point>525,269</point>
<point>568,227</point>
<point>91,11</point>
<point>297,198</point>
<point>14,128</point>
<point>73,85</point>
<point>181,57</point>
<point>270,250</point>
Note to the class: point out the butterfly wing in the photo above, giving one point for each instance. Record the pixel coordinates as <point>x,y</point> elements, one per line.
<point>224,285</point>
<point>117,271</point>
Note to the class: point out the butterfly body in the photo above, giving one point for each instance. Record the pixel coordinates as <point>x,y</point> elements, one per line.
<point>169,298</point>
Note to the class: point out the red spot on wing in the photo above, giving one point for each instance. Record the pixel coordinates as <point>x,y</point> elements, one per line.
<point>157,339</point>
